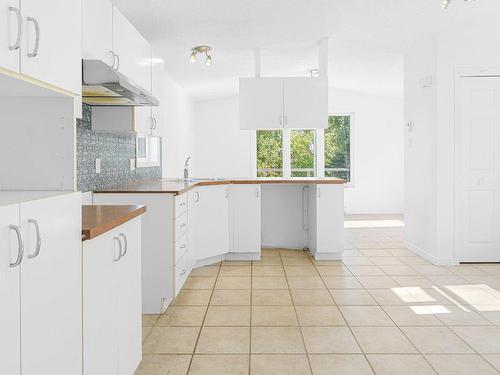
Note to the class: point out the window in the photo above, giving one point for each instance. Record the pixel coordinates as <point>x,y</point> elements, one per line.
<point>338,147</point>
<point>148,151</point>
<point>303,153</point>
<point>269,153</point>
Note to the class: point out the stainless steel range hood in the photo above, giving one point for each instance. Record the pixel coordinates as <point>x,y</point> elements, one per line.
<point>104,86</point>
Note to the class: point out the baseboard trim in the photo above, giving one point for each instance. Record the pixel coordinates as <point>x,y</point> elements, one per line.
<point>243,256</point>
<point>211,260</point>
<point>431,258</point>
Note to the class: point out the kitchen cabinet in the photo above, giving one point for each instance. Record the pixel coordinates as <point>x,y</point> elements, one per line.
<point>245,218</point>
<point>10,42</point>
<point>277,103</point>
<point>97,27</point>
<point>45,312</point>
<point>112,301</point>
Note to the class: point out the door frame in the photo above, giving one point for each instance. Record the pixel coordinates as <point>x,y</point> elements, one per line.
<point>463,72</point>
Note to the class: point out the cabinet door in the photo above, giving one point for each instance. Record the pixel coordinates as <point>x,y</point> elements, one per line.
<point>330,218</point>
<point>97,30</point>
<point>10,315</point>
<point>143,123</point>
<point>261,103</point>
<point>129,312</point>
<point>245,218</point>
<point>133,51</point>
<point>100,305</point>
<point>212,221</point>
<point>10,34</point>
<point>306,103</point>
<point>59,53</point>
<point>51,286</point>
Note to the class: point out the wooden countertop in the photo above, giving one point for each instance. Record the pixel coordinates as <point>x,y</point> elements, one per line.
<point>97,220</point>
<point>179,186</point>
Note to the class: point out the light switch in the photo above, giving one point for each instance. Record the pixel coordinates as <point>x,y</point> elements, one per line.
<point>131,163</point>
<point>97,165</point>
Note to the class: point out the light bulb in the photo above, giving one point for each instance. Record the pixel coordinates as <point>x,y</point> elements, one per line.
<point>208,61</point>
<point>192,57</point>
<point>445,3</point>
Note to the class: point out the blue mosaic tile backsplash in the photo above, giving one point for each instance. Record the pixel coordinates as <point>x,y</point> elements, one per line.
<point>114,150</point>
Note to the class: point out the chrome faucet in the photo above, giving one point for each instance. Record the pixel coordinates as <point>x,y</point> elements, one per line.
<point>186,168</point>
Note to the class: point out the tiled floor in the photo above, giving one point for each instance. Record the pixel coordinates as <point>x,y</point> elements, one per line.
<point>382,310</point>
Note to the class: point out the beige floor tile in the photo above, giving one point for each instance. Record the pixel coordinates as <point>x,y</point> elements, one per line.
<point>285,340</point>
<point>397,364</point>
<point>264,297</point>
<point>274,316</point>
<point>194,297</point>
<point>264,282</point>
<point>235,270</point>
<point>279,364</point>
<point>149,320</point>
<point>342,282</point>
<point>314,297</point>
<point>399,270</point>
<point>236,262</point>
<point>412,260</point>
<point>377,282</point>
<point>382,340</point>
<point>413,281</point>
<point>216,364</point>
<point>386,261</point>
<point>222,297</point>
<point>171,340</point>
<point>447,280</point>
<point>409,296</point>
<point>327,262</point>
<point>259,270</point>
<point>357,261</point>
<point>183,316</point>
<point>485,340</point>
<point>366,271</point>
<point>412,315</point>
<point>402,253</point>
<point>199,282</point>
<point>431,270</point>
<point>296,261</point>
<point>375,253</point>
<point>305,282</point>
<point>351,253</point>
<point>366,316</point>
<point>224,340</point>
<point>293,253</point>
<point>453,364</point>
<point>155,364</point>
<point>268,261</point>
<point>494,359</point>
<point>237,282</point>
<point>492,313</point>
<point>333,270</point>
<point>435,340</point>
<point>456,316</point>
<point>329,340</point>
<point>319,316</point>
<point>145,333</point>
<point>352,297</point>
<point>270,252</point>
<point>205,271</point>
<point>345,364</point>
<point>302,270</point>
<point>227,316</point>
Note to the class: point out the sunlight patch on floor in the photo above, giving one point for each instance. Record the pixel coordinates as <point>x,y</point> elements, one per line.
<point>373,224</point>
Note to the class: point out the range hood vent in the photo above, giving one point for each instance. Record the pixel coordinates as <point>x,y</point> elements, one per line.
<point>104,86</point>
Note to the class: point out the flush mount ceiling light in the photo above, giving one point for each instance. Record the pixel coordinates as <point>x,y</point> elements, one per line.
<point>445,3</point>
<point>314,72</point>
<point>201,49</point>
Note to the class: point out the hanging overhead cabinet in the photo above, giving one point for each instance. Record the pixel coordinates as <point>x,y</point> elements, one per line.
<point>283,103</point>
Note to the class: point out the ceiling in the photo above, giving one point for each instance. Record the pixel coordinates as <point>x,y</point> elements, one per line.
<point>367,37</point>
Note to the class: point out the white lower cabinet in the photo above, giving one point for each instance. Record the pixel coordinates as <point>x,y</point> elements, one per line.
<point>112,333</point>
<point>41,292</point>
<point>245,218</point>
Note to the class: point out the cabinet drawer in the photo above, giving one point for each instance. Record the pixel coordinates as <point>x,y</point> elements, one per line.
<point>182,271</point>
<point>180,204</point>
<point>180,225</point>
<point>181,246</point>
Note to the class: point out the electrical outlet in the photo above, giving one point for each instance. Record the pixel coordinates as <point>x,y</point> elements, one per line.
<point>97,165</point>
<point>131,164</point>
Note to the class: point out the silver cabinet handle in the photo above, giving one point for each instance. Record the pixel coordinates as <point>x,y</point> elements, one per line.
<point>38,239</point>
<point>183,246</point>
<point>286,120</point>
<point>281,120</point>
<point>183,272</point>
<point>34,53</point>
<point>182,204</point>
<point>319,192</point>
<point>227,193</point>
<point>182,225</point>
<point>125,247</point>
<point>197,199</point>
<point>116,239</point>
<point>257,192</point>
<point>17,44</point>
<point>114,59</point>
<point>20,245</point>
<point>117,61</point>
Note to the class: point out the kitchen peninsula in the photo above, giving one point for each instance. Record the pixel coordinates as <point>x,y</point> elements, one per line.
<point>202,221</point>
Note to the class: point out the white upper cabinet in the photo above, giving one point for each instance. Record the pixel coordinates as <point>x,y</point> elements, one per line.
<point>97,30</point>
<point>276,103</point>
<point>11,34</point>
<point>51,49</point>
<point>132,50</point>
<point>306,103</point>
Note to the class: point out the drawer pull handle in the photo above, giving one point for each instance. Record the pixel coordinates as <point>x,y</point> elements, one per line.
<point>17,44</point>
<point>183,272</point>
<point>183,204</point>
<point>116,239</point>
<point>34,53</point>
<point>182,225</point>
<point>125,248</point>
<point>183,246</point>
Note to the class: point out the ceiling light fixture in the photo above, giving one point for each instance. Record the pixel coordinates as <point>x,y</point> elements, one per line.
<point>201,49</point>
<point>446,3</point>
<point>314,73</point>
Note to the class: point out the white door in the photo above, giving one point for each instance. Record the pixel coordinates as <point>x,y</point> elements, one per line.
<point>134,52</point>
<point>100,305</point>
<point>10,314</point>
<point>129,312</point>
<point>97,30</point>
<point>261,103</point>
<point>212,221</point>
<point>52,49</point>
<point>11,34</point>
<point>477,169</point>
<point>51,286</point>
<point>306,103</point>
<point>245,218</point>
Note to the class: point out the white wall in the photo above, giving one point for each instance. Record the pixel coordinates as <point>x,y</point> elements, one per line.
<point>222,150</point>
